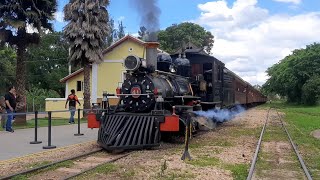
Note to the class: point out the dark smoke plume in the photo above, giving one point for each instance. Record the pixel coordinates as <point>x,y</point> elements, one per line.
<point>221,115</point>
<point>149,12</point>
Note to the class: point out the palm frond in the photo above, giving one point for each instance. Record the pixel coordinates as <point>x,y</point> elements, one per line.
<point>87,29</point>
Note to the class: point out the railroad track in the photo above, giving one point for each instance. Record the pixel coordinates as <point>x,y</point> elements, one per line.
<point>70,167</point>
<point>255,158</point>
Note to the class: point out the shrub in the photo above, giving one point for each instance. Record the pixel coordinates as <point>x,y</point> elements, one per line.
<point>311,91</point>
<point>36,98</point>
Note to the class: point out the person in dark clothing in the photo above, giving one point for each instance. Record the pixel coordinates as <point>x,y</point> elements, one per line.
<point>72,99</point>
<point>11,103</point>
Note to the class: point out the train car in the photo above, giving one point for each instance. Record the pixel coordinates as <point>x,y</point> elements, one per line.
<point>206,77</point>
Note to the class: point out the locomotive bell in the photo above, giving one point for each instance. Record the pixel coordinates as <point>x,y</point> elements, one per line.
<point>133,63</point>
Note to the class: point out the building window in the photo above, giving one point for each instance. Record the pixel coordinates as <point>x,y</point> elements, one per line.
<point>79,86</point>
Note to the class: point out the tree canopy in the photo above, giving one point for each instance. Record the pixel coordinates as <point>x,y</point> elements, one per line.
<point>21,23</point>
<point>120,32</point>
<point>7,68</point>
<point>48,62</point>
<point>173,37</point>
<point>297,76</point>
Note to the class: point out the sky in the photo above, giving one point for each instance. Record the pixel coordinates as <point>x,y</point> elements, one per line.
<point>250,35</point>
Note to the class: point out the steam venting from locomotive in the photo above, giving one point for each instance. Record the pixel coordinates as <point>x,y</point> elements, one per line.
<point>149,12</point>
<point>221,115</point>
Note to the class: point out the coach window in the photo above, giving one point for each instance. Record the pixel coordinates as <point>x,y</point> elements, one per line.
<point>79,86</point>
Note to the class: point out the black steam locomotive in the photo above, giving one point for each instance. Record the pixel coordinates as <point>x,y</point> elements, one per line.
<point>159,96</point>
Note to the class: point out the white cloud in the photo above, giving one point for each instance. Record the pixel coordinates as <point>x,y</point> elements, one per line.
<point>249,40</point>
<point>121,18</point>
<point>289,1</point>
<point>59,16</point>
<point>133,34</point>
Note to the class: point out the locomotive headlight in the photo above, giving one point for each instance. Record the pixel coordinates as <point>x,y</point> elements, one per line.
<point>132,63</point>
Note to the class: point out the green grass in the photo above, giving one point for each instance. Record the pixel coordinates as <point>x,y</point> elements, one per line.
<point>239,171</point>
<point>246,132</point>
<point>177,175</point>
<point>274,133</point>
<point>204,161</point>
<point>215,142</point>
<point>43,122</point>
<point>301,121</point>
<point>101,170</point>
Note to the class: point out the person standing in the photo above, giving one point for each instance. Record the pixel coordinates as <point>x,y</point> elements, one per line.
<point>72,99</point>
<point>10,101</point>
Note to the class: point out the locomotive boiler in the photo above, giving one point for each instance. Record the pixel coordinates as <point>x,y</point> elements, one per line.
<point>140,89</point>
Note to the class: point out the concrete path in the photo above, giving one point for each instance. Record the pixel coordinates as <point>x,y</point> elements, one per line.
<point>17,144</point>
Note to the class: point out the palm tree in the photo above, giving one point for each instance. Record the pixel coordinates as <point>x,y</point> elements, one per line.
<point>17,19</point>
<point>86,32</point>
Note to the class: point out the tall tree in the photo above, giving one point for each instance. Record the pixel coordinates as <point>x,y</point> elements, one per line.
<point>295,76</point>
<point>86,32</point>
<point>120,31</point>
<point>48,62</point>
<point>17,19</point>
<point>7,68</point>
<point>113,33</point>
<point>174,36</point>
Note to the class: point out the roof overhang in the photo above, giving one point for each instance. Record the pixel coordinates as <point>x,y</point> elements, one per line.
<point>65,79</point>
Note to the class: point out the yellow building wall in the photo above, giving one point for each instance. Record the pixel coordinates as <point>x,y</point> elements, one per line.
<point>72,84</point>
<point>125,49</point>
<point>58,104</point>
<point>109,75</point>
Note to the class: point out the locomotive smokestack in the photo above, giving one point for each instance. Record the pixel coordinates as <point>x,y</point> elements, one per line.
<point>151,54</point>
<point>149,12</point>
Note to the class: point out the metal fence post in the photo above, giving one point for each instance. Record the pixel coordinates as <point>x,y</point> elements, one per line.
<point>35,129</point>
<point>49,133</point>
<point>78,134</point>
<point>186,153</point>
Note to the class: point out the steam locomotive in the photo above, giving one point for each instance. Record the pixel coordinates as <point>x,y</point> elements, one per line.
<point>159,96</point>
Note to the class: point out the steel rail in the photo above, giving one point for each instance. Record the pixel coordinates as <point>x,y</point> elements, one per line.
<point>48,165</point>
<point>250,174</point>
<point>109,161</point>
<point>254,160</point>
<point>304,167</point>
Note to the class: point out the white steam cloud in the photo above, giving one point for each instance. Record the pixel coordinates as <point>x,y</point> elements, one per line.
<point>221,115</point>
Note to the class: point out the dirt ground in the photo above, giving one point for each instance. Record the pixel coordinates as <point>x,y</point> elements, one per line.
<point>223,153</point>
<point>27,162</point>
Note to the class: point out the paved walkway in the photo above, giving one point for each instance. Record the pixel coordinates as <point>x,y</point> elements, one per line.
<point>17,144</point>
